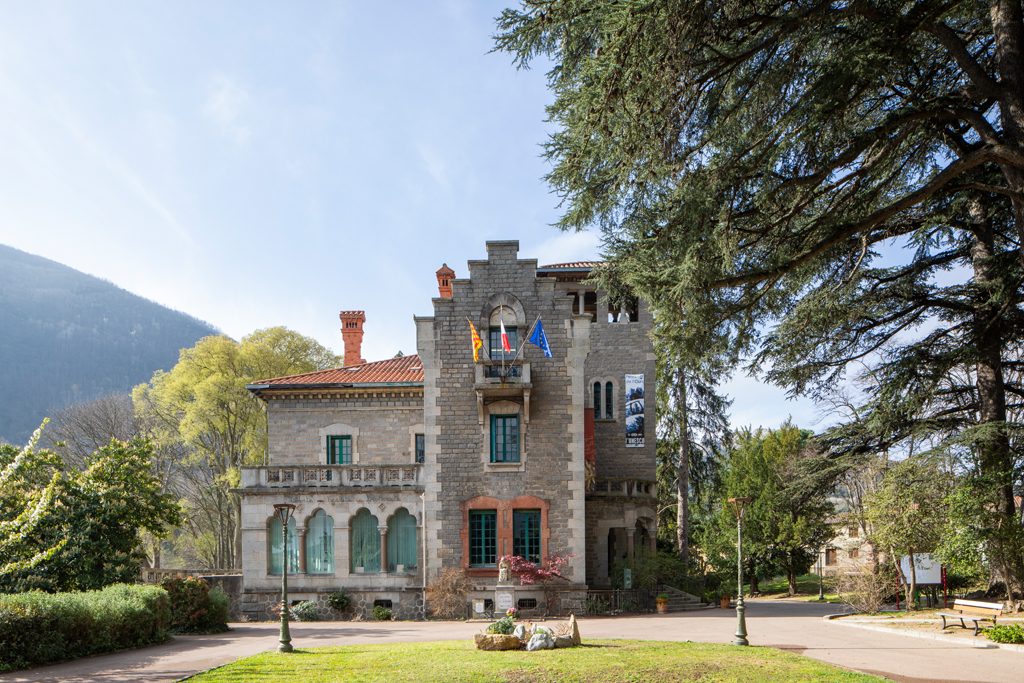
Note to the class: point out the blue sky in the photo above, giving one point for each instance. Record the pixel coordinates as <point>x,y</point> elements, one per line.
<point>257,163</point>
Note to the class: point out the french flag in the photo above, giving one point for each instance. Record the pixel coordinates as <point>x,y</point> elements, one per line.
<point>504,336</point>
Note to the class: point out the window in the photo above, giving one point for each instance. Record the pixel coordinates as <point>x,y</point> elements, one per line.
<point>590,305</point>
<point>320,544</point>
<point>496,349</point>
<point>401,540</point>
<point>597,400</point>
<point>504,438</point>
<point>421,449</point>
<point>277,546</point>
<point>365,542</point>
<point>854,532</point>
<point>830,557</point>
<point>526,535</point>
<point>339,450</point>
<point>608,390</point>
<point>483,538</point>
<point>854,553</point>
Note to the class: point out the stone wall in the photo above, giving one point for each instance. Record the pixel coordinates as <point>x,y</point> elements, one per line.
<point>258,605</point>
<point>232,585</point>
<point>551,450</point>
<point>382,424</point>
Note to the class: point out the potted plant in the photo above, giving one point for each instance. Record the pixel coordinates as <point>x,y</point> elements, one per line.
<point>662,601</point>
<point>726,599</point>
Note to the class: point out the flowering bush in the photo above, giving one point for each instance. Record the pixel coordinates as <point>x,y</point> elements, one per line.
<point>502,627</point>
<point>544,574</point>
<point>512,613</point>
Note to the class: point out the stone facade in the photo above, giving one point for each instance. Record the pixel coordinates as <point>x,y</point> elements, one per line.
<point>418,430</point>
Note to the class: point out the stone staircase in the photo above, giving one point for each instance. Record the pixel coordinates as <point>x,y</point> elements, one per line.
<point>680,601</point>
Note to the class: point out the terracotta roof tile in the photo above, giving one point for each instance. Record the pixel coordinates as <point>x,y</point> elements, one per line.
<point>404,370</point>
<point>572,264</point>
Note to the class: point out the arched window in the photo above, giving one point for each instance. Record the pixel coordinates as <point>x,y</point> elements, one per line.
<point>365,542</point>
<point>320,544</point>
<point>597,400</point>
<point>608,390</point>
<point>277,546</point>
<point>401,540</point>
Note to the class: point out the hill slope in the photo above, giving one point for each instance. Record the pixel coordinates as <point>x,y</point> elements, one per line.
<point>66,336</point>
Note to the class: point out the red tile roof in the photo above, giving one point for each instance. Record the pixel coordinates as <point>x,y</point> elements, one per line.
<point>572,264</point>
<point>404,370</point>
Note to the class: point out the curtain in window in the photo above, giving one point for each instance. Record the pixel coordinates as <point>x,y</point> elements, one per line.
<point>401,540</point>
<point>320,544</point>
<point>365,542</point>
<point>277,546</point>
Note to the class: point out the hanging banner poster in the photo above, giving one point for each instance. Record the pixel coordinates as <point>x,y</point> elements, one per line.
<point>634,411</point>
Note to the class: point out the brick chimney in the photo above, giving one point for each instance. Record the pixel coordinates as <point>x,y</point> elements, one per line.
<point>444,281</point>
<point>352,335</point>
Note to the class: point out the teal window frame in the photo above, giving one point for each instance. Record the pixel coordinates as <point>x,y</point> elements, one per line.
<point>483,538</point>
<point>339,450</point>
<point>504,438</point>
<point>526,535</point>
<point>421,448</point>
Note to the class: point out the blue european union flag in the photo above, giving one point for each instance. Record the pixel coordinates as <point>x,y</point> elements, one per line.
<point>540,339</point>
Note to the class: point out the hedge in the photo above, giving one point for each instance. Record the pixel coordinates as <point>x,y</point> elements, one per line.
<point>194,607</point>
<point>40,628</point>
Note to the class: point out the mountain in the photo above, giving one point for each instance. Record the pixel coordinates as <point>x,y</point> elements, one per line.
<point>66,336</point>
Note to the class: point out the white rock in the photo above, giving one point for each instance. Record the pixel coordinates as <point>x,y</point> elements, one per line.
<point>563,641</point>
<point>520,632</point>
<point>541,641</point>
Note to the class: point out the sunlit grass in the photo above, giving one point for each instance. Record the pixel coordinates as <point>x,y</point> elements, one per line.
<point>598,661</point>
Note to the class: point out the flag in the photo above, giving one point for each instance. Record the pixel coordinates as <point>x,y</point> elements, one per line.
<point>476,343</point>
<point>540,339</point>
<point>504,337</point>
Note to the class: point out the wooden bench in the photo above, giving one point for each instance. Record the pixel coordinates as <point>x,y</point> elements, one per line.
<point>972,610</point>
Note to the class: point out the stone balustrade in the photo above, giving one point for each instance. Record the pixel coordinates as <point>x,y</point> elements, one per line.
<point>628,488</point>
<point>332,476</point>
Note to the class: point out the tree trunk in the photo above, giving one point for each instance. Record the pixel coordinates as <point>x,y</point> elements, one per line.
<point>237,549</point>
<point>791,577</point>
<point>912,584</point>
<point>755,588</point>
<point>683,475</point>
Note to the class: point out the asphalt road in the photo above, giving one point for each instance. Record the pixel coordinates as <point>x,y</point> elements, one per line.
<point>787,625</point>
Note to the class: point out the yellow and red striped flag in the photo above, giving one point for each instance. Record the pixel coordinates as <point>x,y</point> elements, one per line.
<point>476,343</point>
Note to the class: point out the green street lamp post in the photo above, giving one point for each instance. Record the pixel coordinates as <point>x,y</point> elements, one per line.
<point>821,584</point>
<point>284,513</point>
<point>738,506</point>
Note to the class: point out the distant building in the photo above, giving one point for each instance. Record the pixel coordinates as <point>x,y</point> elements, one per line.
<point>402,467</point>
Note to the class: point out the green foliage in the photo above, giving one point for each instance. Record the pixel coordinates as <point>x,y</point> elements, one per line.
<point>1006,633</point>
<point>782,525</point>
<point>503,626</point>
<point>596,605</point>
<point>194,607</point>
<point>381,613</point>
<point>649,569</point>
<point>339,600</point>
<point>64,530</point>
<point>37,628</point>
<point>832,189</point>
<point>305,611</point>
<point>202,406</point>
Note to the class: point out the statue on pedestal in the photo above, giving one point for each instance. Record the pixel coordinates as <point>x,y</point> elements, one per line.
<point>504,575</point>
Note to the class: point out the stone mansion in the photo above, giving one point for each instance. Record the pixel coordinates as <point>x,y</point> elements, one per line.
<point>400,468</point>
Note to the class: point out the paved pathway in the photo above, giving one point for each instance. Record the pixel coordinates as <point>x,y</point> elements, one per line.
<point>788,625</point>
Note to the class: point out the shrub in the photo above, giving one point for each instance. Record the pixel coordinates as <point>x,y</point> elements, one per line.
<point>381,613</point>
<point>503,626</point>
<point>194,607</point>
<point>305,611</point>
<point>340,600</point>
<point>447,595</point>
<point>866,592</point>
<point>38,628</point>
<point>1006,633</point>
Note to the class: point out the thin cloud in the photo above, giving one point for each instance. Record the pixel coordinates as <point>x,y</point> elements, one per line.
<point>225,102</point>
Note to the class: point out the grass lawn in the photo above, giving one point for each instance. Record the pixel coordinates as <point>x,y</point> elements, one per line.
<point>806,586</point>
<point>597,661</point>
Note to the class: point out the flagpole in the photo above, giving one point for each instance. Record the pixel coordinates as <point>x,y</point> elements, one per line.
<point>482,348</point>
<point>520,349</point>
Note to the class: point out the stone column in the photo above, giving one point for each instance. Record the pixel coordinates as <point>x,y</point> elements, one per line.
<point>629,542</point>
<point>302,550</point>
<point>383,548</point>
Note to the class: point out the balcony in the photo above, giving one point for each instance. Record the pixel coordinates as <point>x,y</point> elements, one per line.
<point>333,476</point>
<point>495,381</point>
<point>624,488</point>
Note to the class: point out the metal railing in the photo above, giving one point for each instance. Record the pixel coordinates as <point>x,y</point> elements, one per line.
<point>637,600</point>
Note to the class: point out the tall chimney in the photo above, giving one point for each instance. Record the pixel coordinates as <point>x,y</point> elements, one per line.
<point>352,335</point>
<point>444,281</point>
